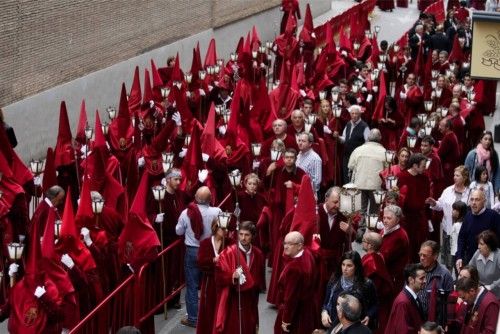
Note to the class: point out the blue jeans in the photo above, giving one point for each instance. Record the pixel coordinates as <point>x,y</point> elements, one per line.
<point>192,280</point>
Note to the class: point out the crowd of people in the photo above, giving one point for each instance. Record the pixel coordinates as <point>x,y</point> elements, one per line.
<point>282,156</point>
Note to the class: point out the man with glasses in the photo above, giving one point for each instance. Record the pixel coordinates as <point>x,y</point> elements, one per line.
<point>296,288</point>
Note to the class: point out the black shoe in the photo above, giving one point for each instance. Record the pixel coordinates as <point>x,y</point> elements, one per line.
<point>187,323</point>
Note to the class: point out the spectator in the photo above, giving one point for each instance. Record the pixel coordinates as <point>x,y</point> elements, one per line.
<point>481,182</point>
<point>484,154</point>
<point>487,261</point>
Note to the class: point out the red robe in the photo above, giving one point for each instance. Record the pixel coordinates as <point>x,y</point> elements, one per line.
<point>483,317</point>
<point>413,104</point>
<point>449,152</point>
<point>227,316</point>
<point>414,190</point>
<point>435,174</point>
<point>207,306</point>
<point>395,251</point>
<point>391,131</point>
<point>375,269</point>
<point>296,295</point>
<point>405,317</point>
<point>334,243</point>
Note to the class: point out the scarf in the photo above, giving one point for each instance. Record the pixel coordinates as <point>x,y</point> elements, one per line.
<point>483,157</point>
<point>194,214</point>
<point>347,284</point>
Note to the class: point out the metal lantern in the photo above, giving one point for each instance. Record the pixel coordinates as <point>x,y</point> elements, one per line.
<point>470,95</point>
<point>428,106</point>
<point>256,147</point>
<point>369,34</point>
<point>220,62</point>
<point>202,74</point>
<point>57,228</point>
<point>337,111</point>
<point>111,112</point>
<point>428,129</point>
<point>166,166</point>
<point>335,94</point>
<point>233,56</point>
<point>223,219</point>
<point>15,250</point>
<point>269,44</point>
<point>382,57</point>
<point>354,88</point>
<point>311,118</point>
<point>452,67</point>
<point>434,73</point>
<point>381,66</point>
<point>350,199</point>
<point>422,118</point>
<point>275,154</point>
<point>379,196</point>
<point>89,132</point>
<point>396,48</point>
<point>411,141</point>
<point>105,128</point>
<point>444,112</point>
<point>433,83</point>
<point>187,140</point>
<point>235,178</point>
<point>432,122</point>
<point>225,116</point>
<point>168,157</point>
<point>438,93</point>
<point>465,65</point>
<point>159,192</point>
<point>392,88</point>
<point>219,109</point>
<point>178,84</point>
<point>216,69</point>
<point>36,166</point>
<point>97,205</point>
<point>389,156</point>
<point>372,221</point>
<point>254,54</point>
<point>322,95</point>
<point>165,91</point>
<point>377,29</point>
<point>307,127</point>
<point>391,181</point>
<point>356,46</point>
<point>448,73</point>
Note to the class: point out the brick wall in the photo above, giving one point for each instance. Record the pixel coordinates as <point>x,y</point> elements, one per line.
<point>50,42</point>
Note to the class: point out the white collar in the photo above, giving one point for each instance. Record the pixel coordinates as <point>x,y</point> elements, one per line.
<point>481,290</point>
<point>480,212</point>
<point>244,250</point>
<point>486,259</point>
<point>411,292</point>
<point>299,254</point>
<point>48,202</point>
<point>392,229</point>
<point>213,245</point>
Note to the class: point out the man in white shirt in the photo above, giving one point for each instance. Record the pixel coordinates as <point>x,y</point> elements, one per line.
<point>309,160</point>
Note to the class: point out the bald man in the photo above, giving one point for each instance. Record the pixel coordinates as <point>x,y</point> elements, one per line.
<point>375,269</point>
<point>477,220</point>
<point>195,224</point>
<point>280,132</point>
<point>296,288</point>
<point>54,197</point>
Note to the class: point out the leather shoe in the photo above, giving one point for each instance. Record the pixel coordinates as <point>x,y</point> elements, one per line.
<point>188,323</point>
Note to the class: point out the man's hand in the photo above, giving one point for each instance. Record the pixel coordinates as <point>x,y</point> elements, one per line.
<point>284,327</point>
<point>202,175</point>
<point>325,319</point>
<point>176,117</point>
<point>13,268</point>
<point>141,162</point>
<point>67,261</point>
<point>85,233</point>
<point>289,184</point>
<point>430,201</point>
<point>365,321</point>
<point>183,152</point>
<point>271,168</point>
<point>40,291</point>
<point>458,264</point>
<point>159,218</point>
<point>344,226</point>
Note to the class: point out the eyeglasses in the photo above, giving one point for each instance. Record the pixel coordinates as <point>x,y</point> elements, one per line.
<point>290,243</point>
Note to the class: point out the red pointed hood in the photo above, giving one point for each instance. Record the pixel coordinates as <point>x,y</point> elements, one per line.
<point>176,71</point>
<point>82,124</point>
<point>344,42</point>
<point>138,236</point>
<point>211,56</point>
<point>255,42</point>
<point>193,161</point>
<point>209,144</point>
<point>305,218</point>
<point>64,152</point>
<point>121,126</point>
<point>375,50</point>
<point>419,63</point>
<point>157,83</point>
<point>49,173</point>
<point>135,99</point>
<point>32,273</point>
<point>48,236</point>
<point>99,139</point>
<point>84,211</point>
<point>291,25</point>
<point>148,91</point>
<point>68,227</point>
<point>380,107</point>
<point>195,64</point>
<point>330,47</point>
<point>456,54</point>
<point>239,46</point>
<point>308,27</point>
<point>96,169</point>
